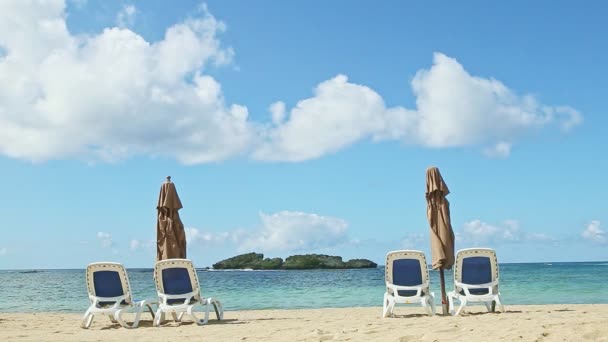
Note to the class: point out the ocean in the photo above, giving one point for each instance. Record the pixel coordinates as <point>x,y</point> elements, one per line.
<point>529,283</point>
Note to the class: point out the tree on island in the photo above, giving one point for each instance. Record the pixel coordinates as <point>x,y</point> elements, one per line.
<point>256,261</point>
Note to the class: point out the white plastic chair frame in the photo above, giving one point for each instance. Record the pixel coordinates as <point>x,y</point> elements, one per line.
<point>423,294</point>
<point>493,294</point>
<point>121,304</point>
<point>191,300</point>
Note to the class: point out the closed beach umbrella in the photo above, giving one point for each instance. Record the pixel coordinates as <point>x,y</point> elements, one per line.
<point>170,235</point>
<point>442,236</point>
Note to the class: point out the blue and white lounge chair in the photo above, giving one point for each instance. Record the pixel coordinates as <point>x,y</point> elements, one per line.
<point>179,292</point>
<point>110,294</point>
<point>407,281</point>
<point>475,279</point>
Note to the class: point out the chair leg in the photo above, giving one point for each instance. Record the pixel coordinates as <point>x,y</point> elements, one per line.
<point>499,303</point>
<point>140,309</point>
<point>488,306</point>
<point>390,305</point>
<point>384,306</point>
<point>207,307</point>
<point>174,315</point>
<point>149,307</point>
<point>195,318</point>
<point>221,310</point>
<point>87,319</point>
<point>121,321</point>
<point>426,306</point>
<point>158,318</point>
<point>387,309</point>
<point>217,307</point>
<point>463,303</point>
<point>432,303</point>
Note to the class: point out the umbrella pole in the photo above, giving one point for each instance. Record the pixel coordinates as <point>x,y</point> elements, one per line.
<point>444,302</point>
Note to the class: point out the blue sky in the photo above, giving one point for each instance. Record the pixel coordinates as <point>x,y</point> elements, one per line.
<point>300,127</point>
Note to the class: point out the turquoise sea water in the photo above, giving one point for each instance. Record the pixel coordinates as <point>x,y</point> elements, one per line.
<point>534,283</point>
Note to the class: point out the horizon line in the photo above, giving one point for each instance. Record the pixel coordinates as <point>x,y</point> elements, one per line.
<point>207,267</point>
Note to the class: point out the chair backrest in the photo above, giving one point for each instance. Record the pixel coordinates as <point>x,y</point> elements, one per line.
<point>176,277</point>
<point>108,280</point>
<point>475,266</point>
<point>406,268</point>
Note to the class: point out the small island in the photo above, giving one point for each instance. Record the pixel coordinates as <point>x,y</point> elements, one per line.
<point>256,261</point>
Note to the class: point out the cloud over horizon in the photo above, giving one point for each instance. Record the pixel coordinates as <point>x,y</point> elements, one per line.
<point>105,239</point>
<point>136,97</point>
<point>477,231</point>
<point>594,233</point>
<point>281,232</point>
<point>293,231</point>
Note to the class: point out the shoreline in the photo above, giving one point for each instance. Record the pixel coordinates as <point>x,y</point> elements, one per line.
<point>551,322</point>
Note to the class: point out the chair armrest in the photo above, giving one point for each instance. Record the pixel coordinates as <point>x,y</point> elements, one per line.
<point>466,287</point>
<point>146,301</point>
<point>186,296</point>
<point>117,300</point>
<point>418,288</point>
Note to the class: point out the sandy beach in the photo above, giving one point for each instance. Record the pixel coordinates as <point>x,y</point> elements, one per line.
<point>520,323</point>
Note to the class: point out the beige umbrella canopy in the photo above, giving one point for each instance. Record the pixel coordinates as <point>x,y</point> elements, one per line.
<point>442,235</point>
<point>170,235</point>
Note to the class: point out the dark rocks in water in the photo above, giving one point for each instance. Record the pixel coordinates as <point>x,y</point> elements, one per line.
<point>256,261</point>
<point>360,263</point>
<point>249,260</point>
<point>272,264</point>
<point>312,261</point>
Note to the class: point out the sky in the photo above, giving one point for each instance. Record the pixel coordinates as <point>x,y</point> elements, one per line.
<point>294,127</point>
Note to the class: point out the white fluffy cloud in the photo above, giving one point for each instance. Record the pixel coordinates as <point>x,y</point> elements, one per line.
<point>296,231</point>
<point>477,231</point>
<point>126,16</point>
<point>113,95</point>
<point>277,110</point>
<point>594,233</point>
<point>196,236</point>
<point>453,108</point>
<point>339,114</point>
<point>284,231</point>
<point>105,239</point>
<point>500,150</point>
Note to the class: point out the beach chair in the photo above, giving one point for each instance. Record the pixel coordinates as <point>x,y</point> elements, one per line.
<point>407,281</point>
<point>179,292</point>
<point>110,294</point>
<point>475,279</point>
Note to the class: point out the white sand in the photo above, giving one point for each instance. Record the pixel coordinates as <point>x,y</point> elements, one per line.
<point>519,323</point>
